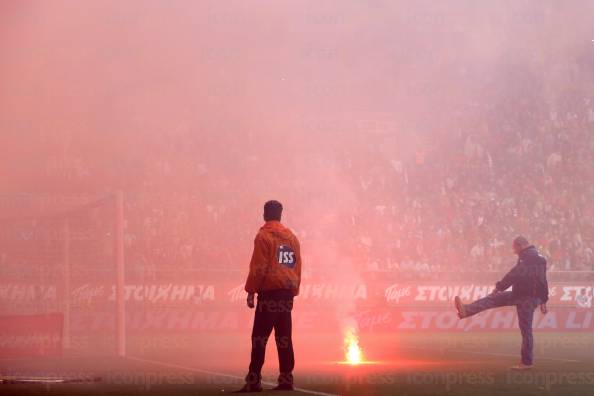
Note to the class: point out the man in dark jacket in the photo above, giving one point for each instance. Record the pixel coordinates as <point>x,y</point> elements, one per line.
<point>528,280</point>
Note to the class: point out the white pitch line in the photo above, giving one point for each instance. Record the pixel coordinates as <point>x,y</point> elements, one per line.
<point>188,368</point>
<point>510,355</point>
<point>488,353</point>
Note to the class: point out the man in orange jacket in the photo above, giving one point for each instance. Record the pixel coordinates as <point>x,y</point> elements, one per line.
<point>275,274</point>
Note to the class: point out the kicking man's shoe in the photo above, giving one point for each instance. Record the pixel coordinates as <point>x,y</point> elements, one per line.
<point>248,388</point>
<point>284,387</point>
<point>521,367</point>
<point>460,307</point>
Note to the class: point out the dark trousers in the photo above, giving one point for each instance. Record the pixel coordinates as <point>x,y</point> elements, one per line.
<point>525,307</point>
<point>273,311</point>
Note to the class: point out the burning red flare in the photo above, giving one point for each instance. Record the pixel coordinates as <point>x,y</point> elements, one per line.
<point>353,353</point>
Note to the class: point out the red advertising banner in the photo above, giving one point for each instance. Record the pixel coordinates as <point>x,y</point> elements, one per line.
<point>31,335</point>
<point>439,294</point>
<point>500,319</point>
<point>194,294</point>
<point>219,319</point>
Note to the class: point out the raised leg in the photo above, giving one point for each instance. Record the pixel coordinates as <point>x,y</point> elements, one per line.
<point>493,300</point>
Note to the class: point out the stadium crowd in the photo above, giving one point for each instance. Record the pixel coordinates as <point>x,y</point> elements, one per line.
<point>512,154</point>
<point>451,207</point>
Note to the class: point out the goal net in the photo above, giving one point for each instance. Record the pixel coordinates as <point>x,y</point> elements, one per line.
<point>61,276</point>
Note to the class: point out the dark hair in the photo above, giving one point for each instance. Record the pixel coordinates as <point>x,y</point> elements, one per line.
<point>521,241</point>
<point>273,210</point>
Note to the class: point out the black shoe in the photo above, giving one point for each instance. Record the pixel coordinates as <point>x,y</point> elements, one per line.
<point>284,387</point>
<point>248,388</point>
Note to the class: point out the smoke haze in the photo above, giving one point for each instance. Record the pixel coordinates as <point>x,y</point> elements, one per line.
<point>409,142</point>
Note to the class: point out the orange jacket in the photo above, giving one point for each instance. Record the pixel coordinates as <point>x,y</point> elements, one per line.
<point>276,261</point>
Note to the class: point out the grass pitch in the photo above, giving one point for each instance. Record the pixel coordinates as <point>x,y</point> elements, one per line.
<point>396,364</point>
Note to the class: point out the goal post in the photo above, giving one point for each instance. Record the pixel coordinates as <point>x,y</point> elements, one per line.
<point>120,273</point>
